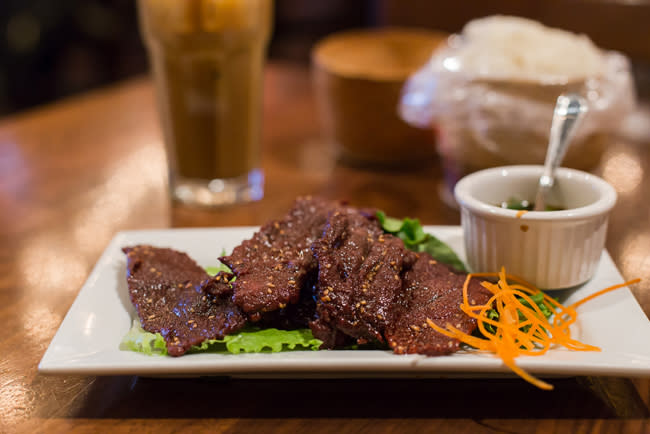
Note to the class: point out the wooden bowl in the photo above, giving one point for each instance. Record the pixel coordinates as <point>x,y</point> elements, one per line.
<point>359,76</point>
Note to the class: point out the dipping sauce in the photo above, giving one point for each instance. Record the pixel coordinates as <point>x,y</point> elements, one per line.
<point>525,205</point>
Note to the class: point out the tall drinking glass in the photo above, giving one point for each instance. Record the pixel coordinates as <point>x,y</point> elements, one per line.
<point>207,59</point>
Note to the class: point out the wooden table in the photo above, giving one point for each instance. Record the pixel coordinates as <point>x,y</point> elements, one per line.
<point>75,173</point>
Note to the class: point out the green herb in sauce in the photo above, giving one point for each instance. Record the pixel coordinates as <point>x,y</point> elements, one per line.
<point>525,205</point>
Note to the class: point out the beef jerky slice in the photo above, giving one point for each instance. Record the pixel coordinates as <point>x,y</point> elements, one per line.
<point>431,290</point>
<point>175,297</point>
<point>294,315</point>
<point>359,276</point>
<point>274,265</point>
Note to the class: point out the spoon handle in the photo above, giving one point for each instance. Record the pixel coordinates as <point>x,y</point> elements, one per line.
<point>568,113</point>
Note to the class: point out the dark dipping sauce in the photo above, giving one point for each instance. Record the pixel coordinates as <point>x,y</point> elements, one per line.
<point>525,205</point>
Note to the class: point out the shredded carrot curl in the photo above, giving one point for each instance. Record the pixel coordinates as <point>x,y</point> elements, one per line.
<point>520,329</point>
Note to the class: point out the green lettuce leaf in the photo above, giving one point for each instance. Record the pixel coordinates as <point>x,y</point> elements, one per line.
<point>441,252</point>
<point>212,271</point>
<point>139,340</point>
<point>255,340</point>
<point>251,340</point>
<point>412,233</point>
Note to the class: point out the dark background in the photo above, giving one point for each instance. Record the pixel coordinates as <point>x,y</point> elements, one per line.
<point>51,49</point>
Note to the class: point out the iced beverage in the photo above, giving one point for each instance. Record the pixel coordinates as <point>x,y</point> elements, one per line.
<point>207,58</point>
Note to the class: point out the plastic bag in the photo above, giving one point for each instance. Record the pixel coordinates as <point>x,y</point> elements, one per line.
<point>486,119</point>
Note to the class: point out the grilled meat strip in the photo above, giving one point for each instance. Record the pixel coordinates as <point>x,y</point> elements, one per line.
<point>431,290</point>
<point>359,277</point>
<point>293,316</point>
<point>175,297</point>
<point>274,265</point>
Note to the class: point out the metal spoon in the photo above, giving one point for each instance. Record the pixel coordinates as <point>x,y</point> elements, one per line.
<point>569,111</point>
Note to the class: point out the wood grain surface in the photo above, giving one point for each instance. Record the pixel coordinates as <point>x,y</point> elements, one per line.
<point>74,173</point>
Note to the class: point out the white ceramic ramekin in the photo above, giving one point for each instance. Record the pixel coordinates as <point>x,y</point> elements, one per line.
<point>551,249</point>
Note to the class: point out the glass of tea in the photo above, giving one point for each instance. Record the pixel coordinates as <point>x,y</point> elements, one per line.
<point>207,59</point>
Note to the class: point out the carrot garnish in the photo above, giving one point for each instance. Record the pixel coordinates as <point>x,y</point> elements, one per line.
<point>515,321</point>
<point>602,291</point>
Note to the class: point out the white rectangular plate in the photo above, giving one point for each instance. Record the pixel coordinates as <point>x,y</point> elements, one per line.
<point>87,341</point>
